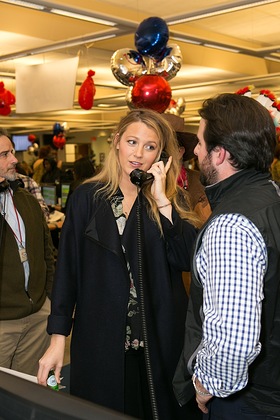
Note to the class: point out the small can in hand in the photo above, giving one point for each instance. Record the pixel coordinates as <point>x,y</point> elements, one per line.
<point>51,381</point>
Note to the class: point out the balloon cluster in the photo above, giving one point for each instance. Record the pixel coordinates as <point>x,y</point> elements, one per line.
<point>6,100</point>
<point>148,69</point>
<point>58,138</point>
<point>87,91</point>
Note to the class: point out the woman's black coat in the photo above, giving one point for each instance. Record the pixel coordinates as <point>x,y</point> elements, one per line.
<point>92,274</point>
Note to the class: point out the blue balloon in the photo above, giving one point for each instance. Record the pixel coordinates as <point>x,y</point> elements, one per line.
<point>162,54</point>
<point>57,129</point>
<point>136,57</point>
<point>151,37</point>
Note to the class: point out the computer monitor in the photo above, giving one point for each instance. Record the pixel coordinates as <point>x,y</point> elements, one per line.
<point>49,194</point>
<point>24,400</point>
<point>64,193</point>
<point>21,142</point>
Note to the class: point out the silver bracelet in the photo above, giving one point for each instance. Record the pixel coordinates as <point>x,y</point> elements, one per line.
<point>165,205</point>
<point>204,394</point>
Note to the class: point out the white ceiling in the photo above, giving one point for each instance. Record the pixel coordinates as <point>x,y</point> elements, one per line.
<point>205,71</point>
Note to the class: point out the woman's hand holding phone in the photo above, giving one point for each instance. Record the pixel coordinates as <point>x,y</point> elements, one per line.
<point>159,171</point>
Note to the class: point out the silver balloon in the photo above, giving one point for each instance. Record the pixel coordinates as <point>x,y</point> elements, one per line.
<point>177,107</point>
<point>128,98</point>
<point>127,66</point>
<point>181,105</point>
<point>170,65</point>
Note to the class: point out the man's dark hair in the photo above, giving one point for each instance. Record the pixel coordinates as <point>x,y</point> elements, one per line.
<point>243,127</point>
<point>4,132</point>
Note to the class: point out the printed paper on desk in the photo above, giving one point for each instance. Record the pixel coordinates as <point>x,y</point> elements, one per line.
<point>56,216</point>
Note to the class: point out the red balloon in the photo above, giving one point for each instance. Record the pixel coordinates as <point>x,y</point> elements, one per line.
<point>6,99</point>
<point>31,138</point>
<point>151,91</point>
<point>87,91</point>
<point>4,109</point>
<point>59,141</point>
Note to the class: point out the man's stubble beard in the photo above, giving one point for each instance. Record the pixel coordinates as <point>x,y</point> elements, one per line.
<point>9,176</point>
<point>208,174</point>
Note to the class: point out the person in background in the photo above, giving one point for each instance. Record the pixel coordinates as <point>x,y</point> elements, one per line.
<point>52,173</point>
<point>30,185</point>
<point>83,169</point>
<point>124,288</point>
<point>231,351</point>
<point>31,155</point>
<point>26,269</point>
<point>189,179</point>
<point>38,167</point>
<point>26,168</point>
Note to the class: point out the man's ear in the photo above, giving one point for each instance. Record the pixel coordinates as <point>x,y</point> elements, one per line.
<point>221,155</point>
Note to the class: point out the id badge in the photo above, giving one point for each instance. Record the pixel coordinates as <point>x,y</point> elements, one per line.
<point>22,254</point>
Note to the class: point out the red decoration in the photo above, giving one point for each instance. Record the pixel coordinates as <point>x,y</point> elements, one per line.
<point>267,93</point>
<point>276,105</point>
<point>87,91</point>
<point>59,141</point>
<point>6,99</point>
<point>246,91</point>
<point>151,91</point>
<point>31,138</point>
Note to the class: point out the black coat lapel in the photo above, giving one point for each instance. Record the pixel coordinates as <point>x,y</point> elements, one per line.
<point>102,227</point>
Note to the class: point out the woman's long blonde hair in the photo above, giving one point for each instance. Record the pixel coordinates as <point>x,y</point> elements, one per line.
<point>111,173</point>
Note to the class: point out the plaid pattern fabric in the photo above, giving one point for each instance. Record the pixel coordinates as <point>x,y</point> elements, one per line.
<point>231,263</point>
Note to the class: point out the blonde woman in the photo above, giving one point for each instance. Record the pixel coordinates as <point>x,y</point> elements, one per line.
<point>106,270</point>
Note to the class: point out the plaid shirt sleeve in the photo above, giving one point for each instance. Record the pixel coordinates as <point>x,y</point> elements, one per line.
<point>231,262</point>
<point>35,189</point>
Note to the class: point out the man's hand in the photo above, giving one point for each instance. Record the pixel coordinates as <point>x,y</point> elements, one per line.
<point>202,395</point>
<point>202,401</point>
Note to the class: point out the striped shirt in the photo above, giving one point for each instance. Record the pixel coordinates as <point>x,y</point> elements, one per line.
<point>231,263</point>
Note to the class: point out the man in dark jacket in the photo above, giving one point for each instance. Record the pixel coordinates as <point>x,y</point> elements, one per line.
<point>232,341</point>
<point>26,270</point>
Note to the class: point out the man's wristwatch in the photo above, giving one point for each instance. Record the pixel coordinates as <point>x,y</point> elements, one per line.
<point>204,394</point>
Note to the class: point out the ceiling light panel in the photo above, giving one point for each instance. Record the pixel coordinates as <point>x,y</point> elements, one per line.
<point>221,47</point>
<point>219,11</point>
<point>187,40</point>
<point>272,59</point>
<point>67,12</point>
<point>24,4</point>
<point>87,18</point>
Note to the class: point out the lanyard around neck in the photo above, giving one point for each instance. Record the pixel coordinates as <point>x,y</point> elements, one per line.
<point>19,239</point>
